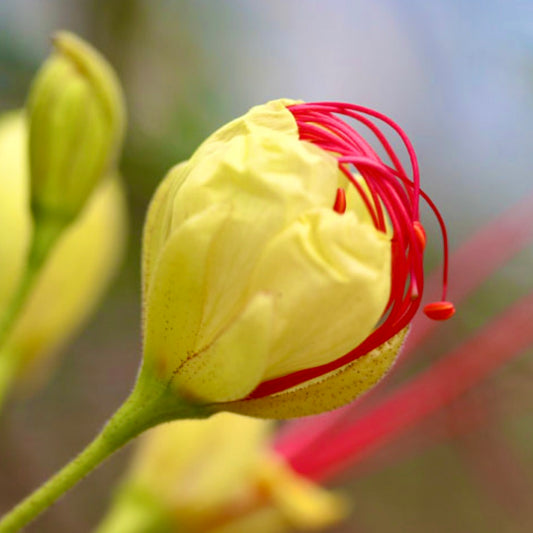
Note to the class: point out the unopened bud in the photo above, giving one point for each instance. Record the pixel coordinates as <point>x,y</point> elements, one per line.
<point>76,123</point>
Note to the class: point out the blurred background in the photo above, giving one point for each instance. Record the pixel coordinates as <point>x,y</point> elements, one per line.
<point>457,75</point>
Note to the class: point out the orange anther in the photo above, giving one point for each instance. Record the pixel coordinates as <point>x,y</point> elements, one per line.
<point>439,310</point>
<point>420,234</point>
<point>340,201</point>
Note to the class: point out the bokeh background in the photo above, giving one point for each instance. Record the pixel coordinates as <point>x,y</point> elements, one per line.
<point>456,74</point>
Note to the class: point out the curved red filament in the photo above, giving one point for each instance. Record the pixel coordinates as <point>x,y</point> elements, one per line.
<point>392,199</point>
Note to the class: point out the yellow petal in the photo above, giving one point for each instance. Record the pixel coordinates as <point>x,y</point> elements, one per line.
<point>158,222</point>
<point>232,366</point>
<point>267,181</point>
<point>200,276</point>
<point>330,275</point>
<point>15,223</point>
<point>174,303</point>
<point>262,119</point>
<point>327,392</point>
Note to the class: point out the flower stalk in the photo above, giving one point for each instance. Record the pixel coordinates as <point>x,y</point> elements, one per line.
<point>148,405</point>
<point>43,240</point>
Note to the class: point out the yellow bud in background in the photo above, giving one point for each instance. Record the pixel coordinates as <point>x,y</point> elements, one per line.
<point>249,273</point>
<point>293,503</point>
<point>215,475</point>
<point>194,466</point>
<point>187,471</point>
<point>15,223</point>
<point>76,125</point>
<point>78,269</point>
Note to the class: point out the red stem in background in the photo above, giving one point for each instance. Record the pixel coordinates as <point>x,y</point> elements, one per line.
<point>504,338</point>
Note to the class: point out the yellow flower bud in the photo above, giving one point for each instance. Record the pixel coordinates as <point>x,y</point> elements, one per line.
<point>215,475</point>
<point>76,124</point>
<point>78,269</point>
<point>251,275</point>
<point>15,225</point>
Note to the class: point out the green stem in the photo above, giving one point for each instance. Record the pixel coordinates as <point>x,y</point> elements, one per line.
<point>146,407</point>
<point>45,235</point>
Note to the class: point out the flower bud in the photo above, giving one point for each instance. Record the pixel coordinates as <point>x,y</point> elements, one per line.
<point>78,269</point>
<point>263,283</point>
<point>215,475</point>
<point>15,224</point>
<point>76,124</point>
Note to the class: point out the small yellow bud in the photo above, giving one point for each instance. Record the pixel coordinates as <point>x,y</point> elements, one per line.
<point>76,124</point>
<point>216,475</point>
<point>250,274</point>
<point>78,269</point>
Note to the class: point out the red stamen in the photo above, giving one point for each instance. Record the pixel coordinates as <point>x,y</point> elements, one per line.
<point>392,200</point>
<point>340,201</point>
<point>439,310</point>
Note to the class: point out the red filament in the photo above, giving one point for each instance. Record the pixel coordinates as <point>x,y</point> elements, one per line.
<point>392,198</point>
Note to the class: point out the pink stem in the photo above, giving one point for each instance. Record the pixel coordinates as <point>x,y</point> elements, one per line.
<point>498,342</point>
